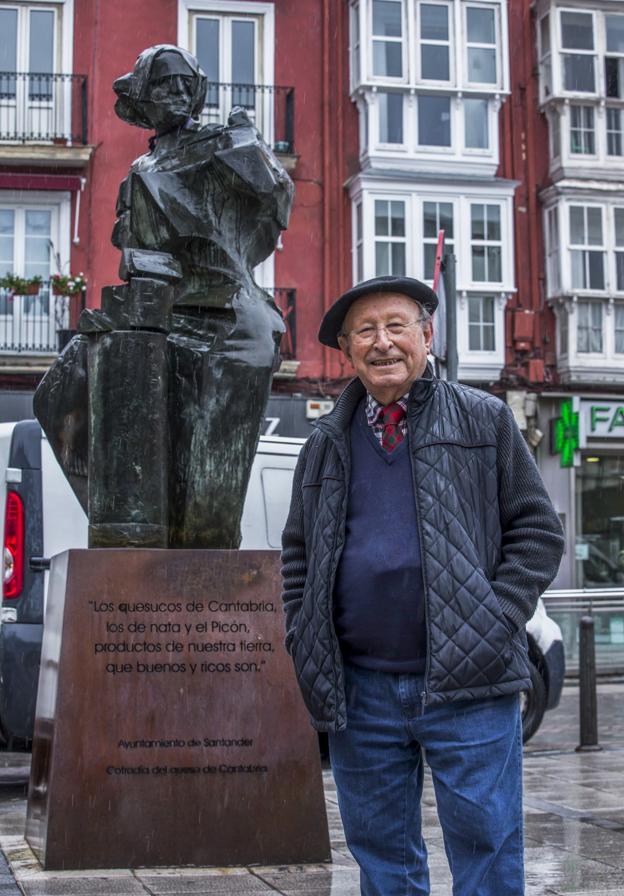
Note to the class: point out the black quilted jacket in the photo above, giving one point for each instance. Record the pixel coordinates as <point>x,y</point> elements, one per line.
<point>491,542</point>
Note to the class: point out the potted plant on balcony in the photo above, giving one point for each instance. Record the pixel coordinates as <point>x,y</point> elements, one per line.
<point>68,284</point>
<point>21,286</point>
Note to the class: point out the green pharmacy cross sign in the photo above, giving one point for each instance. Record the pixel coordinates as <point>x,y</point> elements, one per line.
<point>566,434</point>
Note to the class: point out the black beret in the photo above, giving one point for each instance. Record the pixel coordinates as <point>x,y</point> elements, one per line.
<point>407,286</point>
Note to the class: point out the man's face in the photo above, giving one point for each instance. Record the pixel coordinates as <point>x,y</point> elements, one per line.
<point>387,363</point>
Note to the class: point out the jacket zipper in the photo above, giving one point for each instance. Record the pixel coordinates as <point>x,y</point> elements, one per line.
<point>424,694</point>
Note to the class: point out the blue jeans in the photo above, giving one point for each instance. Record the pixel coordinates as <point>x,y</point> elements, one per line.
<point>474,750</point>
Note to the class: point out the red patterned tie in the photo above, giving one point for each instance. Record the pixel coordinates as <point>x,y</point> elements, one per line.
<point>391,416</point>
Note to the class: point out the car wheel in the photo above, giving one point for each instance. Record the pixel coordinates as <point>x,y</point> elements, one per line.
<point>533,703</point>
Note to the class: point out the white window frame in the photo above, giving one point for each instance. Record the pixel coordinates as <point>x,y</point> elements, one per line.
<point>605,52</point>
<point>482,298</point>
<point>589,303</point>
<point>545,58</point>
<point>552,232</point>
<point>583,130</point>
<point>587,247</point>
<point>561,52</point>
<point>375,118</point>
<point>404,41</point>
<point>430,241</point>
<point>620,132</point>
<point>59,203</point>
<point>618,310</point>
<point>485,86</point>
<point>614,248</point>
<point>265,61</point>
<point>427,148</point>
<point>62,55</point>
<point>430,82</point>
<point>389,239</point>
<point>486,285</point>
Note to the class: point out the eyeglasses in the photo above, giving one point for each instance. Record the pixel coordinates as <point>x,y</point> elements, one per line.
<point>368,335</point>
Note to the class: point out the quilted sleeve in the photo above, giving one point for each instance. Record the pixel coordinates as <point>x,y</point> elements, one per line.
<point>294,563</point>
<point>531,534</point>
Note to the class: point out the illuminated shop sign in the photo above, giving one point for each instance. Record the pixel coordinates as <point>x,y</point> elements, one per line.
<point>602,419</point>
<point>581,419</point>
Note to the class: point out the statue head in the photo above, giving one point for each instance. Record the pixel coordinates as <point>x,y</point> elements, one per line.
<point>165,88</point>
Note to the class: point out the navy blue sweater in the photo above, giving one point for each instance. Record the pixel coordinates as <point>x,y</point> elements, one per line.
<point>379,610</point>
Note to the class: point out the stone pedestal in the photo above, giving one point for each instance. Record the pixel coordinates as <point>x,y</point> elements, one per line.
<point>169,726</point>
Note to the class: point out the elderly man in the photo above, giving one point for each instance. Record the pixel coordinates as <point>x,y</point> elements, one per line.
<point>419,539</point>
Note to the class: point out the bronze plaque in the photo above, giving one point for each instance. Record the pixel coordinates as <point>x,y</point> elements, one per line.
<point>169,728</point>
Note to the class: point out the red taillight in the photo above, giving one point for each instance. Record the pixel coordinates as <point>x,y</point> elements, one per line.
<point>13,546</point>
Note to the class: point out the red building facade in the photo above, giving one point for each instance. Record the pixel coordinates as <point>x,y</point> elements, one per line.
<point>498,120</point>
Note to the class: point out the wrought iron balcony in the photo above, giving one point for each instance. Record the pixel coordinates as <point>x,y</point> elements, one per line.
<point>36,324</point>
<point>271,108</point>
<point>43,108</point>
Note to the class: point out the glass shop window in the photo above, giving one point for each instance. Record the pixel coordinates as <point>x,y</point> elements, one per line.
<point>390,238</point>
<point>600,530</point>
<point>578,52</point>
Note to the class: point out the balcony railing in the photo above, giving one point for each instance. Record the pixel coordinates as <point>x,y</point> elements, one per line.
<point>43,108</point>
<point>35,324</point>
<point>271,108</point>
<point>286,301</point>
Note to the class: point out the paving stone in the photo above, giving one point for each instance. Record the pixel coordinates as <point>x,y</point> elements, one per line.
<point>212,884</point>
<point>82,886</point>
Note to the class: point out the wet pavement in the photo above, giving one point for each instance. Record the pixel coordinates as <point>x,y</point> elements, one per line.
<point>574,829</point>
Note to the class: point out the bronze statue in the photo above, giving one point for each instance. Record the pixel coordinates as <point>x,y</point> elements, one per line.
<point>175,369</point>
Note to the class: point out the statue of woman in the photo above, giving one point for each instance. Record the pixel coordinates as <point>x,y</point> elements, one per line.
<point>195,215</point>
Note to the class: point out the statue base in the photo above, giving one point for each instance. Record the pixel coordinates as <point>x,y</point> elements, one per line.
<point>169,727</point>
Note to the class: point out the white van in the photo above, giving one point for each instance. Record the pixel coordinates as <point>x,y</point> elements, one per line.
<point>40,517</point>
